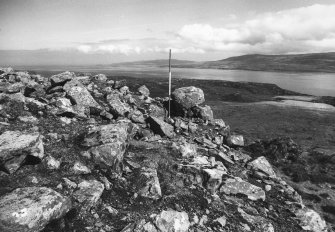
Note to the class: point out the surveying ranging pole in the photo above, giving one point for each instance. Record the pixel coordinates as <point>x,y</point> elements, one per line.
<point>169,83</point>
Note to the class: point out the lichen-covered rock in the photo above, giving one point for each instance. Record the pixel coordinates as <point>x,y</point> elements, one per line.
<point>214,178</point>
<point>137,117</point>
<point>238,186</point>
<point>310,220</point>
<point>203,112</point>
<point>30,209</point>
<point>172,221</point>
<point>144,91</point>
<point>148,183</point>
<point>80,95</point>
<point>107,144</point>
<point>262,164</point>
<point>100,77</point>
<point>89,193</point>
<point>16,145</point>
<point>160,127</point>
<point>61,78</point>
<point>186,97</point>
<point>117,107</point>
<point>157,111</point>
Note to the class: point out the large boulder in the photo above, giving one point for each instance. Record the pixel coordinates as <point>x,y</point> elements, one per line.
<point>30,209</point>
<point>80,95</point>
<point>61,78</point>
<point>187,97</point>
<point>16,145</point>
<point>160,127</point>
<point>108,144</point>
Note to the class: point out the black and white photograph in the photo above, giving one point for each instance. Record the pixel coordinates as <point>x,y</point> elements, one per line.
<point>167,116</point>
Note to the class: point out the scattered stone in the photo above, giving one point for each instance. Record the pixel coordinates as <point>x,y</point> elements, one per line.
<point>238,186</point>
<point>262,164</point>
<point>221,220</point>
<point>80,168</point>
<point>214,178</point>
<point>171,220</point>
<point>16,145</point>
<point>69,184</point>
<point>148,183</point>
<point>80,95</point>
<point>31,208</point>
<point>160,127</point>
<point>100,77</point>
<point>311,220</point>
<point>89,193</point>
<point>52,163</point>
<point>28,119</point>
<point>117,107</point>
<point>144,91</point>
<point>119,84</point>
<point>62,78</point>
<point>108,144</point>
<point>203,112</point>
<point>235,140</point>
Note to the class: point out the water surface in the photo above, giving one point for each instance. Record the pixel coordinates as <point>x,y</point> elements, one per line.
<point>319,84</point>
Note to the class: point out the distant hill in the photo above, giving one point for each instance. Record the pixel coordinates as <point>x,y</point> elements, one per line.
<point>314,62</point>
<point>160,63</point>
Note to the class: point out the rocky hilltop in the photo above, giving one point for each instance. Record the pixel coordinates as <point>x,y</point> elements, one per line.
<point>86,153</point>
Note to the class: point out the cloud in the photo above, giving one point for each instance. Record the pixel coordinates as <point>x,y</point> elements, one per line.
<point>299,30</point>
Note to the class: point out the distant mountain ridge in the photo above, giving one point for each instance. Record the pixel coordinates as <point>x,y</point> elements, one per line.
<point>313,62</point>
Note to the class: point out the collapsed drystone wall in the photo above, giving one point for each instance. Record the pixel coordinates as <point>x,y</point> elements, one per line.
<point>84,152</point>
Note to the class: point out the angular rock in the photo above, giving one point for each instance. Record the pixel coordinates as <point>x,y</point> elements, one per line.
<point>80,168</point>
<point>148,183</point>
<point>187,149</point>
<point>144,91</point>
<point>61,78</point>
<point>235,140</point>
<point>160,127</point>
<point>157,111</point>
<point>52,163</point>
<point>108,144</point>
<point>16,145</point>
<point>310,220</point>
<point>119,84</point>
<point>140,226</point>
<point>117,107</point>
<point>89,193</point>
<point>203,112</point>
<point>186,97</point>
<point>137,117</point>
<point>239,186</point>
<point>262,164</point>
<point>100,77</point>
<point>214,179</point>
<point>173,221</point>
<point>80,95</point>
<point>31,209</point>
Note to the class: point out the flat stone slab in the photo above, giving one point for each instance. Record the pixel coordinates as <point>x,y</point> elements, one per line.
<point>239,186</point>
<point>31,209</point>
<point>89,192</point>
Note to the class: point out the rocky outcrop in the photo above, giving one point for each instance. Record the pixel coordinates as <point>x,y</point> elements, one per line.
<point>127,166</point>
<point>31,208</point>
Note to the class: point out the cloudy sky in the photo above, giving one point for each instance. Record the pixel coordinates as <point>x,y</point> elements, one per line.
<point>106,31</point>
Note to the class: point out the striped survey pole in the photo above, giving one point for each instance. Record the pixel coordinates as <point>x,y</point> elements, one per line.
<point>170,83</point>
